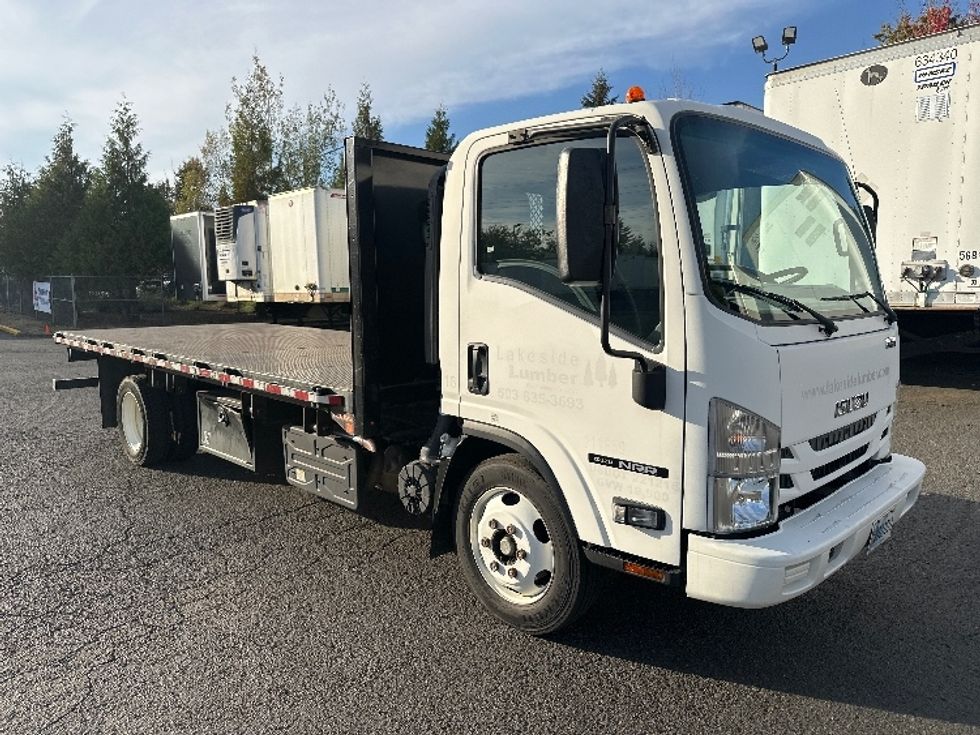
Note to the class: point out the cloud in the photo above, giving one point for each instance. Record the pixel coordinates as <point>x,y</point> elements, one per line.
<point>175,60</point>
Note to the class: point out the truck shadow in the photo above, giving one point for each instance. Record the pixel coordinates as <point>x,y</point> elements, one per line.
<point>380,507</point>
<point>942,370</point>
<point>895,631</point>
<point>205,465</point>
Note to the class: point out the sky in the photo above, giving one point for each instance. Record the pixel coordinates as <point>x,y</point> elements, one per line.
<point>487,62</point>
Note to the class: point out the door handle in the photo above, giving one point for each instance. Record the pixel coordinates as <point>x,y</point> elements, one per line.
<point>478,371</point>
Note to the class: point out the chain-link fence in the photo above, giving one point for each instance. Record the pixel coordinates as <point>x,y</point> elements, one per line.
<point>15,295</point>
<point>73,301</point>
<point>107,300</point>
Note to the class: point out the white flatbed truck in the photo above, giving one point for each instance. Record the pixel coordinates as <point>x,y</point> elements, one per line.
<point>591,339</point>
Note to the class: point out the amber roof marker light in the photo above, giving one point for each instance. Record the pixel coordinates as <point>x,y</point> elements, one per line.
<point>635,94</point>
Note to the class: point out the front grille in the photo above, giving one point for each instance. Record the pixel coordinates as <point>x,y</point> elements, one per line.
<point>824,491</point>
<point>224,224</point>
<point>835,437</point>
<point>818,473</point>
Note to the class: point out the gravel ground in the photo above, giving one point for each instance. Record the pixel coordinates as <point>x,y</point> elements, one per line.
<point>196,599</point>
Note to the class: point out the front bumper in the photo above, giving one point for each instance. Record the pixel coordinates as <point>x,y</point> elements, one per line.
<point>807,548</point>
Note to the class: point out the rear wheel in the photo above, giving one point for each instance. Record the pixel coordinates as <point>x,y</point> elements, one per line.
<point>143,417</point>
<point>517,549</point>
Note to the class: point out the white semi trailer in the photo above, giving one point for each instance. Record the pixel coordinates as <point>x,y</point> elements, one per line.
<point>288,251</point>
<point>592,339</point>
<point>904,118</point>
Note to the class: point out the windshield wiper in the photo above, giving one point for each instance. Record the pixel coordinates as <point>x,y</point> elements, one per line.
<point>826,323</point>
<point>890,316</point>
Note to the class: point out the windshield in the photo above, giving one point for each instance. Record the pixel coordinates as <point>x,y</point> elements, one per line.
<point>778,216</point>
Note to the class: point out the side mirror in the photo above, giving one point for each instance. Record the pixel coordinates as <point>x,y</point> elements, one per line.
<point>872,214</point>
<point>579,225</point>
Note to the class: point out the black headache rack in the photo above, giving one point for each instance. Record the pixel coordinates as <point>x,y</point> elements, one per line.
<point>393,290</point>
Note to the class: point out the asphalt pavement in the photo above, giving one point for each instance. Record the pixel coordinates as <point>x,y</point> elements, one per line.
<point>195,599</point>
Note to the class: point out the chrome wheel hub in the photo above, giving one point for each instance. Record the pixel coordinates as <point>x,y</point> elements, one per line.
<point>132,422</point>
<point>511,545</point>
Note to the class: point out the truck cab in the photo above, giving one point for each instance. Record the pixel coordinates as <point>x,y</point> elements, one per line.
<point>743,281</point>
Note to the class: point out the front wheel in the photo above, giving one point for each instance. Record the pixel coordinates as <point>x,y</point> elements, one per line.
<point>517,548</point>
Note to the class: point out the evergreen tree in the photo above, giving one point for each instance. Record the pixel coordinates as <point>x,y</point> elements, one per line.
<point>600,93</point>
<point>366,124</point>
<point>169,193</point>
<point>190,182</point>
<point>216,160</point>
<point>308,140</point>
<point>124,227</point>
<point>339,178</point>
<point>54,205</point>
<point>266,148</point>
<point>15,190</point>
<point>437,135</point>
<point>254,119</point>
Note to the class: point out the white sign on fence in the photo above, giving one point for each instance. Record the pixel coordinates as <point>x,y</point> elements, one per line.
<point>42,296</point>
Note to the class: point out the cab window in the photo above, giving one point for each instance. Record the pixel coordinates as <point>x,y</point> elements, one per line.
<point>516,239</point>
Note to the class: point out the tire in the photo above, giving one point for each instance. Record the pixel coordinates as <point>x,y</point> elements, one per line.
<point>183,422</point>
<point>143,417</point>
<point>518,550</point>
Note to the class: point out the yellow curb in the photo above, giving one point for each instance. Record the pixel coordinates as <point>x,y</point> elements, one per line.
<point>9,330</point>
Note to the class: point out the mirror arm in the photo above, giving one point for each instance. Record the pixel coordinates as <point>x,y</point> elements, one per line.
<point>611,241</point>
<point>872,192</point>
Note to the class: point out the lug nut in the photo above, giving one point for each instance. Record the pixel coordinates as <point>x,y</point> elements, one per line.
<point>494,524</point>
<point>494,566</point>
<point>512,573</point>
<point>485,543</point>
<point>511,530</point>
<point>521,554</point>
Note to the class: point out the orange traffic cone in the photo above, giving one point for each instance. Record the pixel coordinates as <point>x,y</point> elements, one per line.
<point>47,330</point>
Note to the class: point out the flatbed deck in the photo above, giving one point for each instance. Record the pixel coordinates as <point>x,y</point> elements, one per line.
<point>312,365</point>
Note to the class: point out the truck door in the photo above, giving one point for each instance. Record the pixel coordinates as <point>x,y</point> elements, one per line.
<point>530,359</point>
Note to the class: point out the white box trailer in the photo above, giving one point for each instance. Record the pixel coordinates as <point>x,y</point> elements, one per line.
<point>288,249</point>
<point>308,245</point>
<point>905,119</point>
<point>242,237</point>
<point>192,241</point>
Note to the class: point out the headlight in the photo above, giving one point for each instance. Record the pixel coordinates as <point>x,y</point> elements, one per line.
<point>744,468</point>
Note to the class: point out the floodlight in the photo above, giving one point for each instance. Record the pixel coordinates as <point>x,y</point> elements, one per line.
<point>759,44</point>
<point>789,35</point>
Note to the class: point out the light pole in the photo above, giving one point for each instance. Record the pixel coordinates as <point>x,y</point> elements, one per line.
<point>760,46</point>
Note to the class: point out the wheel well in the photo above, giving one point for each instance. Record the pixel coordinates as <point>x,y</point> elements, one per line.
<point>481,442</point>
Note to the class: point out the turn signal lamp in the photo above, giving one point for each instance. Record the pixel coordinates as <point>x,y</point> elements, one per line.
<point>657,575</point>
<point>635,94</point>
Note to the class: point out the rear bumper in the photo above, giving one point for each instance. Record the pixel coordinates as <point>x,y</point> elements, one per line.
<point>807,548</point>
